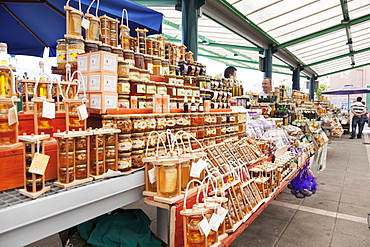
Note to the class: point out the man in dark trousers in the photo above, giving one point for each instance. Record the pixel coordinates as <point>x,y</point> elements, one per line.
<point>358,109</point>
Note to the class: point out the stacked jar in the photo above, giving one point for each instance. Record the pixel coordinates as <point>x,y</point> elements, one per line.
<point>34,181</point>
<point>81,157</point>
<point>66,160</point>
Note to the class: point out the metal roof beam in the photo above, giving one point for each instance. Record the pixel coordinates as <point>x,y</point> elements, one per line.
<point>324,31</point>
<point>337,57</point>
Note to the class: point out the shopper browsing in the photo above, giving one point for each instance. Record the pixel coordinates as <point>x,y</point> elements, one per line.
<point>266,86</point>
<point>230,72</point>
<point>358,109</point>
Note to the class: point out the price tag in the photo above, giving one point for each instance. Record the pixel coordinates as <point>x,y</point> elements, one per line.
<point>197,168</point>
<point>82,112</point>
<point>48,110</point>
<point>215,222</point>
<point>152,175</point>
<point>85,23</point>
<point>39,163</point>
<point>12,115</point>
<point>204,227</point>
<point>222,212</point>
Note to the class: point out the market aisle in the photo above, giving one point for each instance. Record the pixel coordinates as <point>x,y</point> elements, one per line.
<point>335,216</point>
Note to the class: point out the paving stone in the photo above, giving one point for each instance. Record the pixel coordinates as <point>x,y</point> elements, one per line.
<point>320,203</point>
<point>253,239</point>
<point>352,209</point>
<point>314,220</point>
<point>278,212</point>
<point>360,199</point>
<point>343,240</point>
<point>269,225</point>
<point>355,229</point>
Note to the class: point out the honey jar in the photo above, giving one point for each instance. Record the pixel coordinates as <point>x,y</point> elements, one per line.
<point>97,168</point>
<point>110,140</point>
<point>110,152</point>
<point>124,102</point>
<point>97,140</point>
<point>137,140</point>
<point>124,124</point>
<point>139,61</point>
<point>63,171</point>
<point>148,63</point>
<point>123,86</point>
<point>168,180</point>
<point>97,154</point>
<point>138,123</point>
<point>124,162</point>
<point>66,159</point>
<point>81,157</point>
<point>81,171</point>
<point>157,66</point>
<point>129,58</point>
<point>38,185</point>
<point>138,88</point>
<point>81,143</point>
<point>124,143</point>
<point>134,74</point>
<point>110,165</point>
<point>136,157</point>
<point>161,122</point>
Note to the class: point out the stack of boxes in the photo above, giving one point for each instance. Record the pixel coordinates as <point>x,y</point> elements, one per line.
<point>99,71</point>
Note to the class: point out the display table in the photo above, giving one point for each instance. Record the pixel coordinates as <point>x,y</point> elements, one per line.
<point>26,222</point>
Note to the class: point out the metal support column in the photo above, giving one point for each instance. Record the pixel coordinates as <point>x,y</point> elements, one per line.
<point>312,87</point>
<point>295,78</point>
<point>267,65</point>
<point>189,11</point>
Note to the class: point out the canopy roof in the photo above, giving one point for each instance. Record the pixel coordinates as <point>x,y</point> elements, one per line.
<point>321,37</point>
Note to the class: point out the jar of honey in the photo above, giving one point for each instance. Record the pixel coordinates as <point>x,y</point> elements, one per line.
<point>161,88</point>
<point>124,143</point>
<point>134,74</point>
<point>63,142</point>
<point>139,60</point>
<point>151,88</point>
<point>38,185</point>
<point>165,67</point>
<point>161,122</point>
<point>66,159</point>
<point>138,88</point>
<point>97,140</point>
<point>97,168</point>
<point>81,157</point>
<point>81,171</point>
<point>144,75</point>
<point>129,58</point>
<point>110,152</point>
<point>64,172</point>
<point>124,162</point>
<point>138,123</point>
<point>123,69</point>
<point>137,140</point>
<point>167,179</point>
<point>124,102</point>
<point>110,165</point>
<point>97,154</point>
<point>124,124</point>
<point>157,66</point>
<point>107,122</point>
<point>148,63</point>
<point>136,157</point>
<point>110,139</point>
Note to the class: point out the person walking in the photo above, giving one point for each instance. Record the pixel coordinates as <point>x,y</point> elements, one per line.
<point>358,109</point>
<point>365,119</point>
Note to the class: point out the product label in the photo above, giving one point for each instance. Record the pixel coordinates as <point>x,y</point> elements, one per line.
<point>48,110</point>
<point>180,82</point>
<point>213,119</point>
<point>131,62</point>
<point>140,125</point>
<point>82,63</point>
<point>181,121</point>
<point>149,105</point>
<point>180,92</point>
<point>196,93</point>
<point>201,108</point>
<point>215,222</point>
<point>142,105</point>
<point>83,83</point>
<point>232,119</point>
<point>110,83</point>
<point>72,54</point>
<point>138,144</point>
<point>223,130</point>
<point>165,70</point>
<point>39,163</point>
<point>95,62</point>
<point>12,115</point>
<point>223,119</point>
<point>124,146</point>
<point>110,101</point>
<point>110,63</point>
<point>94,83</point>
<point>150,68</point>
<point>162,90</point>
<point>189,92</point>
<point>151,89</point>
<point>173,105</point>
<point>134,75</point>
<point>123,164</point>
<point>171,123</point>
<point>123,87</point>
<point>172,81</point>
<point>82,112</point>
<point>124,104</point>
<point>95,101</point>
<point>213,131</point>
<point>141,88</point>
<point>193,108</point>
<point>152,124</point>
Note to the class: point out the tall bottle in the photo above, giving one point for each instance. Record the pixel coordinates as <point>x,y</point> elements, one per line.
<point>186,105</point>
<point>201,105</point>
<point>193,107</point>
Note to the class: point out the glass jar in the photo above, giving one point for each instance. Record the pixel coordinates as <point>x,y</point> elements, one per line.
<point>124,143</point>
<point>107,122</point>
<point>173,103</point>
<point>28,146</point>
<point>129,58</point>
<point>152,141</point>
<point>194,131</point>
<point>81,157</point>
<point>110,139</point>
<point>137,140</point>
<point>218,140</point>
<point>134,74</point>
<point>105,47</point>
<point>161,88</point>
<point>97,168</point>
<point>110,165</point>
<point>97,140</point>
<point>144,75</point>
<point>38,185</point>
<point>223,129</point>
<point>118,51</point>
<point>61,53</point>
<point>139,60</point>
<point>110,152</point>
<point>161,122</point>
<point>194,119</point>
<point>138,88</point>
<point>124,162</point>
<point>200,133</point>
<point>151,122</point>
<point>151,88</point>
<point>136,157</point>
<point>123,86</point>
<point>170,121</point>
<point>138,123</point>
<point>66,159</point>
<point>81,171</point>
<point>97,154</point>
<point>75,48</point>
<point>124,124</point>
<point>194,145</point>
<point>63,171</point>
<point>124,102</point>
<point>165,67</point>
<point>28,160</point>
<point>167,179</point>
<point>148,63</point>
<point>157,66</point>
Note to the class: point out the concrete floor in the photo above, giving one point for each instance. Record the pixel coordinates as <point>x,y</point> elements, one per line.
<point>336,216</point>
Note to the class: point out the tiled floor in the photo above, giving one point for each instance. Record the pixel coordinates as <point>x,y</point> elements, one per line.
<point>335,216</point>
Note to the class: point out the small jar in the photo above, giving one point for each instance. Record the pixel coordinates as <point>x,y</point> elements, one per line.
<point>124,162</point>
<point>194,131</point>
<point>105,47</point>
<point>165,67</point>
<point>63,175</point>
<point>151,88</point>
<point>151,122</point>
<point>124,124</point>
<point>110,152</point>
<point>151,152</point>
<point>97,154</point>
<point>107,122</point>
<point>97,171</point>
<point>129,58</point>
<point>194,145</point>
<point>138,88</point>
<point>144,75</point>
<point>194,119</point>
<point>66,157</point>
<point>173,103</point>
<point>137,140</point>
<point>97,140</point>
<point>63,142</point>
<point>81,157</point>
<point>180,120</point>
<point>124,143</point>
<point>28,160</point>
<point>161,122</point>
<point>170,121</point>
<point>223,129</point>
<point>218,118</point>
<point>171,90</point>
<point>136,157</point>
<point>134,74</point>
<point>148,63</point>
<point>138,123</point>
<point>218,140</point>
<point>110,139</point>
<point>123,86</point>
<point>161,88</point>
<point>218,130</point>
<point>157,66</point>
<point>200,119</point>
<point>139,60</point>
<point>81,171</point>
<point>110,165</point>
<point>200,133</point>
<point>124,102</point>
<point>38,185</point>
<point>152,141</point>
<point>118,51</point>
<point>81,143</point>
<point>223,118</point>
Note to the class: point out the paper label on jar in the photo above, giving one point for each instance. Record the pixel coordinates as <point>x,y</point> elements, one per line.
<point>141,88</point>
<point>140,125</point>
<point>222,212</point>
<point>149,105</point>
<point>232,119</point>
<point>150,68</point>
<point>82,112</point>
<point>165,70</point>
<point>124,104</point>
<point>180,82</point>
<point>215,222</point>
<point>138,144</point>
<point>124,87</point>
<point>180,92</point>
<point>189,92</point>
<point>110,83</point>
<point>110,63</point>
<point>142,105</point>
<point>152,124</point>
<point>213,131</point>
<point>12,115</point>
<point>223,119</point>
<point>196,93</point>
<point>213,119</point>
<point>124,164</point>
<point>124,146</point>
<point>131,62</point>
<point>204,227</point>
<point>162,90</point>
<point>152,175</point>
<point>172,81</point>
<point>151,89</point>
<point>72,54</point>
<point>39,163</point>
<point>173,105</point>
<point>170,123</point>
<point>48,110</point>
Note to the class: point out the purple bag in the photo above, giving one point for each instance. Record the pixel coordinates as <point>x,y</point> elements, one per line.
<point>304,184</point>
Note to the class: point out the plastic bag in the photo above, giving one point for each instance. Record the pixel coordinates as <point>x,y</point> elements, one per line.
<point>304,184</point>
